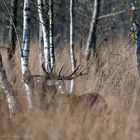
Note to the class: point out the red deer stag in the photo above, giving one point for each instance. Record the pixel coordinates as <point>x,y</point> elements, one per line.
<point>55,92</point>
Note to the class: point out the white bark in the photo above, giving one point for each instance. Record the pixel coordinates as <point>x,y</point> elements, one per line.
<point>41,45</point>
<point>51,35</point>
<point>91,32</point>
<point>45,36</point>
<point>25,53</point>
<point>6,86</point>
<point>72,51</point>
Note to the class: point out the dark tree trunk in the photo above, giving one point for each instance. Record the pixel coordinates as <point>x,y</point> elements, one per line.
<point>12,32</point>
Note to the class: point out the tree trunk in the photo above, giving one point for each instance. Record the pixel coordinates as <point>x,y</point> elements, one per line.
<point>43,22</point>
<point>6,86</point>
<point>91,41</point>
<point>72,51</point>
<point>137,44</point>
<point>135,35</point>
<point>41,45</point>
<point>12,32</point>
<point>51,33</point>
<point>28,81</point>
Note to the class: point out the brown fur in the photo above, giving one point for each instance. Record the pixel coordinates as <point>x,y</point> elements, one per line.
<point>75,103</point>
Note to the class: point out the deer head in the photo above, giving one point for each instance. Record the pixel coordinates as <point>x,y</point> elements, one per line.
<point>56,80</point>
<point>53,82</point>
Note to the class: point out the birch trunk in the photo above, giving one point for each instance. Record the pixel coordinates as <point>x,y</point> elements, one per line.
<point>12,32</point>
<point>6,86</point>
<point>51,34</point>
<point>41,45</point>
<point>43,22</point>
<point>72,52</point>
<point>137,45</point>
<point>25,53</point>
<point>91,41</point>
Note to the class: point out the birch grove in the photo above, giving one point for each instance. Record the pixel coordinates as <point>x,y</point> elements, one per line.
<point>26,75</point>
<point>50,78</point>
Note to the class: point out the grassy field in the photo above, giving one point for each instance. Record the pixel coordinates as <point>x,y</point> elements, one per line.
<point>113,75</point>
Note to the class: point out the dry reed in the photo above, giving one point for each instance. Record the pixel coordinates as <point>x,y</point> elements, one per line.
<point>114,76</point>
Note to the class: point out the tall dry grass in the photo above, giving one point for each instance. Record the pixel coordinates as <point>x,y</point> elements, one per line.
<point>113,75</point>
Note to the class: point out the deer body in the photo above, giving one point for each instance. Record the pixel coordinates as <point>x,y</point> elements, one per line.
<point>54,95</point>
<point>75,103</point>
<point>54,92</point>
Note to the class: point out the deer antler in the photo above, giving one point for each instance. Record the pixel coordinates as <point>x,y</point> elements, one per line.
<point>67,69</point>
<point>75,74</point>
<point>60,70</point>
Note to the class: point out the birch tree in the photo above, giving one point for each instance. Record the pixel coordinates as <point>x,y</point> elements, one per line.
<point>43,24</point>
<point>51,33</point>
<point>41,45</point>
<point>8,90</point>
<point>91,41</point>
<point>26,75</point>
<point>72,52</point>
<point>12,32</point>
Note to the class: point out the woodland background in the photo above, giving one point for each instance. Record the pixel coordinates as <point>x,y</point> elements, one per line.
<point>83,12</point>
